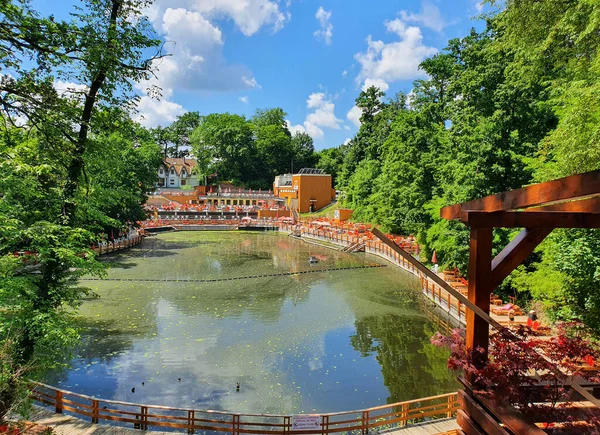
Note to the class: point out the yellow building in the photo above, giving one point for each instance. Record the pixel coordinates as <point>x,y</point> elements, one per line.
<point>308,190</point>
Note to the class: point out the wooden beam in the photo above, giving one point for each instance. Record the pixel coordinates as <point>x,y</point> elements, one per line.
<point>588,205</point>
<point>480,288</point>
<point>479,415</point>
<point>575,186</point>
<point>516,252</point>
<point>519,219</point>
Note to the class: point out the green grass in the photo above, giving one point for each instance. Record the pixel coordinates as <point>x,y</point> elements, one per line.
<point>324,212</point>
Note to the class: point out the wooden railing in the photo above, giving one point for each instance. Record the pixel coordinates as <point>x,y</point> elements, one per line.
<point>153,416</point>
<point>118,245</point>
<point>374,246</point>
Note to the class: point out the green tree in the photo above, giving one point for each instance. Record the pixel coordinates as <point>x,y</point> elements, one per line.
<point>303,151</point>
<point>181,131</point>
<point>103,49</point>
<point>224,143</point>
<point>331,160</point>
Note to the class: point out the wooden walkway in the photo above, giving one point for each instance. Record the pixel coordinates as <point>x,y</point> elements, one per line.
<point>66,425</point>
<point>429,428</point>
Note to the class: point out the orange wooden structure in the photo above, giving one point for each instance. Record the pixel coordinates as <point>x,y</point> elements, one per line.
<point>570,202</point>
<point>307,191</point>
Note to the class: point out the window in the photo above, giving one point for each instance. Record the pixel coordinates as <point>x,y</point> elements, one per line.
<point>172,171</point>
<point>171,182</point>
<point>161,171</point>
<point>183,182</point>
<point>183,174</point>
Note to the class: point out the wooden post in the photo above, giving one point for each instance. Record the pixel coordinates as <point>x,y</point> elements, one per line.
<point>144,423</point>
<point>235,421</point>
<point>191,418</point>
<point>324,424</point>
<point>59,404</point>
<point>404,414</point>
<point>451,400</point>
<point>94,411</point>
<point>480,268</point>
<point>365,423</point>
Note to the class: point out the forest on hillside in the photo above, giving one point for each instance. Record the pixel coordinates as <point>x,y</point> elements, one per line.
<point>515,104</point>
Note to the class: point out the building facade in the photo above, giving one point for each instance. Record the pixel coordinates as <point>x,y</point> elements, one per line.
<point>176,173</point>
<point>307,191</point>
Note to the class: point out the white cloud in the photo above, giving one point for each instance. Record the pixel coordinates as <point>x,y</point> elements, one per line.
<point>249,16</point>
<point>326,28</point>
<point>430,16</point>
<point>196,61</point>
<point>70,89</point>
<point>244,99</point>
<point>251,82</point>
<point>298,128</point>
<point>195,42</point>
<point>153,112</point>
<point>378,83</point>
<point>322,116</point>
<point>347,127</point>
<point>395,60</point>
<point>354,115</point>
<point>347,141</point>
<point>479,7</point>
<point>344,74</point>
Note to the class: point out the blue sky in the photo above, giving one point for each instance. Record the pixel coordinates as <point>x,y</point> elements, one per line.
<point>309,57</point>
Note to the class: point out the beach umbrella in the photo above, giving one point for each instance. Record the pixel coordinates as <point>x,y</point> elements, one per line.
<point>434,258</point>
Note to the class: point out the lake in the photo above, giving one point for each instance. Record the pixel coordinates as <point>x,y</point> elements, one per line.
<point>320,341</point>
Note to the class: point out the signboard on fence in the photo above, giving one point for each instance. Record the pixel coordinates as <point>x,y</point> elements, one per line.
<point>306,422</point>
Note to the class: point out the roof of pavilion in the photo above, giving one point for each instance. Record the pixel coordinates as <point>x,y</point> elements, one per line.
<point>570,202</point>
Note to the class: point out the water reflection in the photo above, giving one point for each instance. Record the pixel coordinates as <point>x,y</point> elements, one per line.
<point>326,341</point>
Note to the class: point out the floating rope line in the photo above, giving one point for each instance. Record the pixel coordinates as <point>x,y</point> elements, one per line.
<point>333,269</point>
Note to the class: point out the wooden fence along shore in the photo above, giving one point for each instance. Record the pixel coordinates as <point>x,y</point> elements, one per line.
<point>117,245</point>
<point>433,291</point>
<point>192,420</point>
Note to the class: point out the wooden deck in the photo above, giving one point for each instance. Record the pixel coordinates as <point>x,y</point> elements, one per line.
<point>68,425</point>
<point>429,428</point>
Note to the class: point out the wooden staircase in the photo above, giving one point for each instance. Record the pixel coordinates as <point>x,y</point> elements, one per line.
<point>354,247</point>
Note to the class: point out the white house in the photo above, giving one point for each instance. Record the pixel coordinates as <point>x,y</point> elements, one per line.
<point>174,173</point>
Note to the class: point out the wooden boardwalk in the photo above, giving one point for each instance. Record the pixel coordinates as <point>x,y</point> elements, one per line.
<point>431,427</point>
<point>67,425</point>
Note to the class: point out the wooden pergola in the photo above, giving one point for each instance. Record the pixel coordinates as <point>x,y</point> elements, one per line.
<point>570,202</point>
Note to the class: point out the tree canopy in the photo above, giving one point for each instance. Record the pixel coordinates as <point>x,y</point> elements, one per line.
<point>502,108</point>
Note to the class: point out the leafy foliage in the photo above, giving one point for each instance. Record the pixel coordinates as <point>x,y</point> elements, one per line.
<point>506,376</point>
<point>500,109</point>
